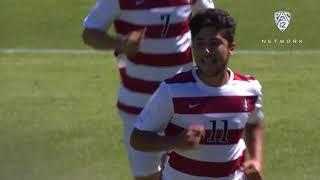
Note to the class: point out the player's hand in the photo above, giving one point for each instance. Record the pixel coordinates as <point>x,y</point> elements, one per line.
<point>252,169</point>
<point>130,44</point>
<point>190,138</point>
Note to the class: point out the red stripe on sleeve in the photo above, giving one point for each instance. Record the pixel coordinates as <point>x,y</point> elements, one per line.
<point>241,77</point>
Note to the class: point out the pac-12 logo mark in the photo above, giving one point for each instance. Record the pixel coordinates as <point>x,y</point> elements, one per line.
<point>282,19</point>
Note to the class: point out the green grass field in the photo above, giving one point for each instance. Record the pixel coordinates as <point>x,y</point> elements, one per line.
<point>58,119</point>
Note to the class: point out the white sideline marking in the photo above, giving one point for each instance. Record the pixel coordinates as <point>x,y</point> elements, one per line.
<point>91,51</point>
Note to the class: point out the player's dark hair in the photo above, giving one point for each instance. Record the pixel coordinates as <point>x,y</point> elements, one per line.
<point>217,18</point>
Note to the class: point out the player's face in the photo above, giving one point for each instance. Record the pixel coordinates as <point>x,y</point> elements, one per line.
<point>211,52</point>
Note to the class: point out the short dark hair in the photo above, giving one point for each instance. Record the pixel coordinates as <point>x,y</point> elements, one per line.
<point>220,19</point>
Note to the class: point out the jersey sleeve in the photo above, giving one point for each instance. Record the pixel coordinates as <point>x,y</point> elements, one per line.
<point>158,111</point>
<point>202,4</point>
<point>102,14</point>
<point>257,114</point>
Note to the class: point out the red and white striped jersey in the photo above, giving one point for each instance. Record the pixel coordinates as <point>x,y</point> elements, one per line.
<point>224,111</point>
<point>164,51</point>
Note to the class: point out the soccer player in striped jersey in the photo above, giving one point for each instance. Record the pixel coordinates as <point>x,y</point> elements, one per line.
<point>210,115</point>
<point>152,43</point>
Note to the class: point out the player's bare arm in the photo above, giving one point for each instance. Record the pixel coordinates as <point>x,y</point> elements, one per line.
<point>151,141</point>
<point>128,45</point>
<point>254,140</point>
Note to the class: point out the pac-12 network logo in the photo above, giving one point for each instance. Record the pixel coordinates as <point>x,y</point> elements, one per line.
<point>282,19</point>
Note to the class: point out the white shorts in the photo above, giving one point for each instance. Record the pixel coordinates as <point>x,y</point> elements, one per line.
<point>141,163</point>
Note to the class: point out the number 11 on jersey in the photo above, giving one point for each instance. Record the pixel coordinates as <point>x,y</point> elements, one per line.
<point>223,138</point>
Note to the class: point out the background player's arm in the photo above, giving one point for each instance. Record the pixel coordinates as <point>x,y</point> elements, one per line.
<point>99,20</point>
<point>98,39</point>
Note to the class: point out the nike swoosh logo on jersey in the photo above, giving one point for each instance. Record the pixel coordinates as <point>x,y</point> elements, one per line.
<point>191,106</point>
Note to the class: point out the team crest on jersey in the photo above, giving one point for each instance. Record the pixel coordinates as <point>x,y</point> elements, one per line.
<point>245,105</point>
<point>282,19</point>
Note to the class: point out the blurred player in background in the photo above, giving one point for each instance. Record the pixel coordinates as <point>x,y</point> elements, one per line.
<point>204,112</point>
<point>152,43</point>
